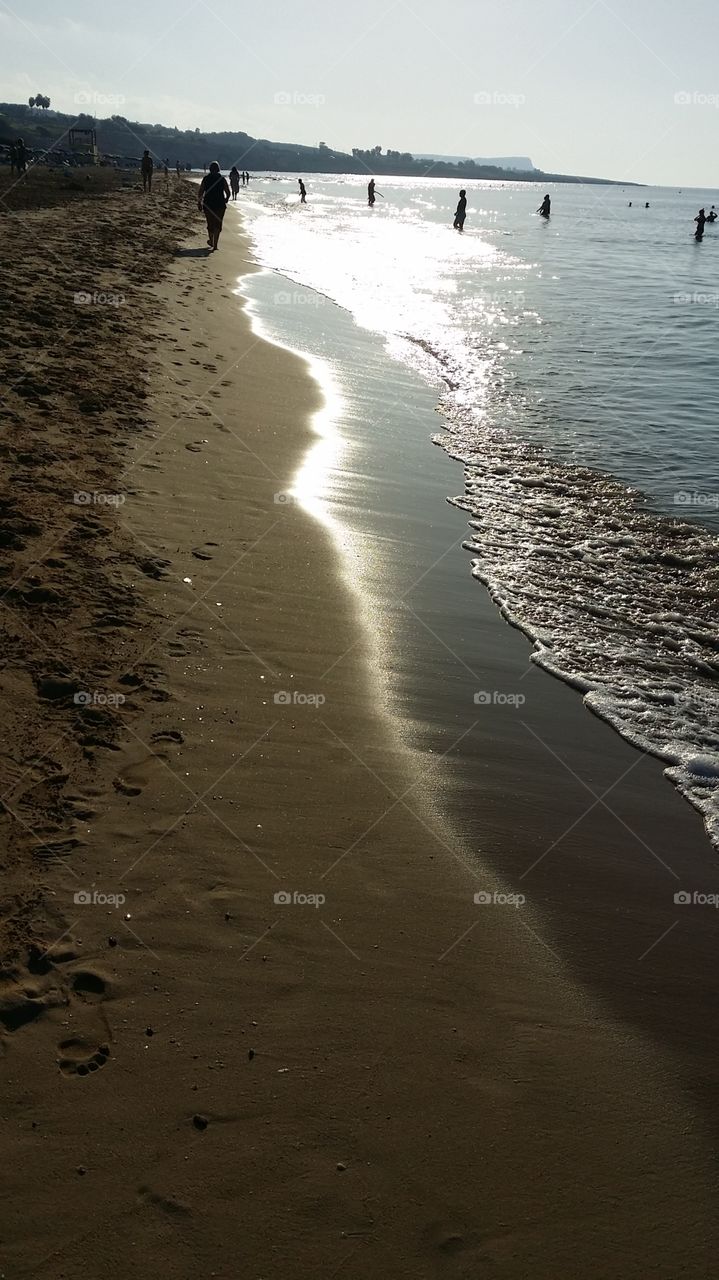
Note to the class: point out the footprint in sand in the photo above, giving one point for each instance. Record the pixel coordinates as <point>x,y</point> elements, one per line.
<point>78,1057</point>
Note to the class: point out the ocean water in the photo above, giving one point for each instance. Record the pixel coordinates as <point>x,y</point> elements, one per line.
<point>575,368</point>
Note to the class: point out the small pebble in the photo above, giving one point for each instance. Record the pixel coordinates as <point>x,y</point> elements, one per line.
<point>112,942</point>
<point>250,1054</point>
<point>81,1169</point>
<point>200,1122</point>
<point>341,1168</point>
<point>149,1031</point>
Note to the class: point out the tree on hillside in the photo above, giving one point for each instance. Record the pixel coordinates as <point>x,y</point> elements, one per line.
<point>39,101</point>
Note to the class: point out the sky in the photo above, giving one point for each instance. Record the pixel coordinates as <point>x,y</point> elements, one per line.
<point>627,89</point>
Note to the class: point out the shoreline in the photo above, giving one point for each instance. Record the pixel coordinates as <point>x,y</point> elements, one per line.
<point>374,1084</point>
<point>449,640</point>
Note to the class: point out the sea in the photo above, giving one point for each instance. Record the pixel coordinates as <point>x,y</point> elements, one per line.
<point>574,365</point>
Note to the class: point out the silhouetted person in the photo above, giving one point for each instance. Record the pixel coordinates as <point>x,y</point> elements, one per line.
<point>212,199</point>
<point>247,178</point>
<point>370,192</point>
<point>460,212</point>
<point>712,215</point>
<point>20,157</point>
<point>545,208</point>
<point>646,206</point>
<point>303,191</point>
<point>630,204</point>
<point>234,181</point>
<point>146,168</point>
<point>177,167</point>
<point>700,220</point>
<point>13,158</point>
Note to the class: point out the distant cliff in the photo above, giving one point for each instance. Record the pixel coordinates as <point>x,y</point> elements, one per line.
<point>123,141</point>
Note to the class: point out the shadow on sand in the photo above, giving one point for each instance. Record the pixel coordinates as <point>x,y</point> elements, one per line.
<point>192,253</point>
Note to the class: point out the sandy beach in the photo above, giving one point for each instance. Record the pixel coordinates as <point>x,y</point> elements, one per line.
<point>201,1077</point>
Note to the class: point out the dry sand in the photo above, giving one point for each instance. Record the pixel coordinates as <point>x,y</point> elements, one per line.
<point>203,1081</point>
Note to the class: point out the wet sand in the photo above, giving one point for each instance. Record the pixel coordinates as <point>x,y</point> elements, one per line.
<point>205,1079</point>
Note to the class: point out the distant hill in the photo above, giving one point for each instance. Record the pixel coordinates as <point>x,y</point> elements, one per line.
<point>122,141</point>
<point>522,163</point>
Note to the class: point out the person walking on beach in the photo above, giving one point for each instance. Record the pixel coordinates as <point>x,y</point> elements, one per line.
<point>460,212</point>
<point>303,191</point>
<point>700,220</point>
<point>177,167</point>
<point>146,168</point>
<point>370,192</point>
<point>212,199</point>
<point>247,178</point>
<point>234,181</point>
<point>20,157</point>
<point>545,208</point>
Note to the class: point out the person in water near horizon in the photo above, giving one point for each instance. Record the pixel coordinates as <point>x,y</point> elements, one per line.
<point>370,192</point>
<point>461,211</point>
<point>212,199</point>
<point>700,220</point>
<point>545,207</point>
<point>234,181</point>
<point>303,191</point>
<point>712,215</point>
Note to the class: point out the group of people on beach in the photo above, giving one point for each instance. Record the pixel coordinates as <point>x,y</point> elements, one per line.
<point>214,195</point>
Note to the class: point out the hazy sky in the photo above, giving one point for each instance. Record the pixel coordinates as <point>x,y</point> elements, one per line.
<point>625,89</point>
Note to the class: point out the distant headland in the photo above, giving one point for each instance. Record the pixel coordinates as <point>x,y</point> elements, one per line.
<point>119,141</point>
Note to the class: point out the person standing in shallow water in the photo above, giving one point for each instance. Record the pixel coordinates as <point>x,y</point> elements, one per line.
<point>460,212</point>
<point>700,220</point>
<point>234,181</point>
<point>545,208</point>
<point>303,191</point>
<point>212,199</point>
<point>370,192</point>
